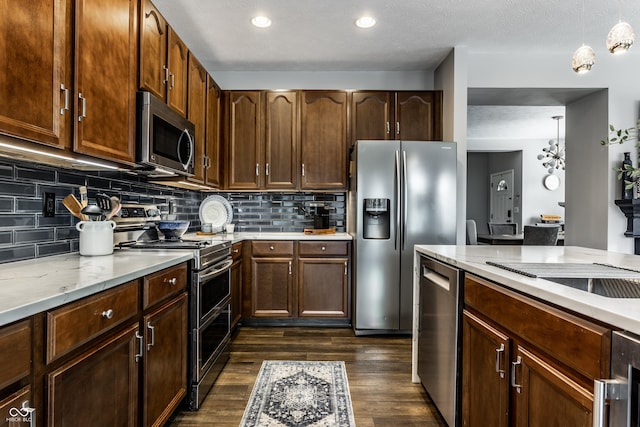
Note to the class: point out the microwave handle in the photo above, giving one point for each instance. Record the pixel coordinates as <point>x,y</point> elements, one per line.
<point>604,390</point>
<point>191,148</point>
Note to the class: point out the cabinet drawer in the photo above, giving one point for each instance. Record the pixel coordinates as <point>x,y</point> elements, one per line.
<point>15,400</point>
<point>236,251</point>
<point>70,326</point>
<point>573,341</point>
<point>165,283</point>
<point>272,248</point>
<point>323,248</point>
<point>15,352</point>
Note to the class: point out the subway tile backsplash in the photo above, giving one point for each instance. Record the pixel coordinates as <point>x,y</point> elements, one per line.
<point>25,233</point>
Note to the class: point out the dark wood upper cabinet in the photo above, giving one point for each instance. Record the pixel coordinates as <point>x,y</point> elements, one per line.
<point>372,115</point>
<point>323,140</point>
<point>212,135</point>
<point>105,78</point>
<point>412,116</point>
<point>35,83</point>
<point>178,70</point>
<point>281,140</point>
<point>244,141</point>
<point>196,114</point>
<point>154,71</point>
<point>419,116</point>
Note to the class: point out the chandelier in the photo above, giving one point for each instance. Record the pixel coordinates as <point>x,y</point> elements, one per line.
<point>553,155</point>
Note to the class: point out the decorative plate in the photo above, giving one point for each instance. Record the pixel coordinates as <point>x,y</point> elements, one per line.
<point>217,211</point>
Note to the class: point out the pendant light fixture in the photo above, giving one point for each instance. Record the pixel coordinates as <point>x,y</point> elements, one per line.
<point>620,37</point>
<point>584,57</point>
<point>553,155</point>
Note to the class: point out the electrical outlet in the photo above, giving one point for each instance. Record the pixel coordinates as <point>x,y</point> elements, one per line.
<point>49,204</point>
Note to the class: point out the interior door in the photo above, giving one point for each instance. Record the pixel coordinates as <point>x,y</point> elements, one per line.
<point>501,199</point>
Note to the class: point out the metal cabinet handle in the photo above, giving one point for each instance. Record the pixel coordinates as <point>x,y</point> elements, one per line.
<point>140,338</point>
<point>66,98</point>
<point>171,281</point>
<point>266,169</point>
<point>517,386</point>
<point>235,251</point>
<point>24,413</point>
<point>290,268</point>
<point>499,353</point>
<point>398,128</point>
<point>107,314</point>
<point>153,336</point>
<point>173,80</point>
<point>84,107</point>
<point>303,169</point>
<point>323,248</point>
<point>345,268</point>
<point>257,169</point>
<point>388,128</point>
<point>272,248</point>
<point>165,80</point>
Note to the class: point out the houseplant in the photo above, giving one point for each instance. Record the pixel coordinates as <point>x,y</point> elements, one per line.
<point>627,172</point>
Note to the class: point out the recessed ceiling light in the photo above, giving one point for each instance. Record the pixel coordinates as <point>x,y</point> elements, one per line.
<point>365,22</point>
<point>261,21</point>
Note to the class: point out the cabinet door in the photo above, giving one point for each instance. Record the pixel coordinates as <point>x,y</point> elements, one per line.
<point>106,63</point>
<point>244,140</point>
<point>196,113</point>
<point>35,80</point>
<point>98,388</point>
<point>272,287</point>
<point>485,374</point>
<point>372,116</point>
<point>281,140</point>
<point>153,51</point>
<point>212,134</point>
<point>8,417</point>
<point>323,140</point>
<point>419,116</point>
<point>177,58</point>
<point>165,361</point>
<point>544,396</point>
<point>323,287</point>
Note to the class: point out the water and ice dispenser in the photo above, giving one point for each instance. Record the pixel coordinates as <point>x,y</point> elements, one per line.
<point>376,223</point>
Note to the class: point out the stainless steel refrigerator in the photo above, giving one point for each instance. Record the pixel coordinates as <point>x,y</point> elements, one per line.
<point>402,193</point>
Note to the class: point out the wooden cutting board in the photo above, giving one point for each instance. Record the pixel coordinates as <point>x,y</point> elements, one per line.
<point>320,231</point>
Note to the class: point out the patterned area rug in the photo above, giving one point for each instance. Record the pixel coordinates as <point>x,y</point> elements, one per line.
<point>300,394</point>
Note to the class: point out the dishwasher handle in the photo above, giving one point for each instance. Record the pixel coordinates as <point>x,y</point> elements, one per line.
<point>436,278</point>
<point>604,390</point>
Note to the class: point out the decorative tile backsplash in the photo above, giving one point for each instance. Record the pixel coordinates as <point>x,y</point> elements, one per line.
<point>26,233</point>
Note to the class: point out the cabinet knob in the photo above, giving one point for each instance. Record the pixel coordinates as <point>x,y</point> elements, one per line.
<point>324,248</point>
<point>271,248</point>
<point>171,281</point>
<point>235,251</point>
<point>107,314</point>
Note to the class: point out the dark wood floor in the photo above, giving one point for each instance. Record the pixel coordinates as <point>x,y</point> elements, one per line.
<point>378,370</point>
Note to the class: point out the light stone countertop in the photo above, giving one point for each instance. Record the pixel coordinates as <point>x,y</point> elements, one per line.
<point>623,313</point>
<point>33,286</point>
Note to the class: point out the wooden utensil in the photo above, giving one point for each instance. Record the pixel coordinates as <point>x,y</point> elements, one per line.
<point>73,205</point>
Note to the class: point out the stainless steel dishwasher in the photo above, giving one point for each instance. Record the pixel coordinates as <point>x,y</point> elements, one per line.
<point>439,336</point>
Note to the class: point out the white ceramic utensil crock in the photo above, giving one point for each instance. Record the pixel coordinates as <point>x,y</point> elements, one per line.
<point>96,237</point>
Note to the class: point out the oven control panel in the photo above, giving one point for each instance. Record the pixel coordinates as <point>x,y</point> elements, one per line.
<point>134,214</point>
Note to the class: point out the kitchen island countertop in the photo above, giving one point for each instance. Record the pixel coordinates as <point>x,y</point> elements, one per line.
<point>622,313</point>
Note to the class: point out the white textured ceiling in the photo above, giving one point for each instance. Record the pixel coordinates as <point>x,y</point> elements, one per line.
<point>319,35</point>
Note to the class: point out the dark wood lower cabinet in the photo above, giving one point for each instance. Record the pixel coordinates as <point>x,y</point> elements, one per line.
<point>272,287</point>
<point>323,287</point>
<point>98,388</point>
<point>165,360</point>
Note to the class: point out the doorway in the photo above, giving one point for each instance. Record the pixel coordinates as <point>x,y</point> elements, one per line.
<point>501,197</point>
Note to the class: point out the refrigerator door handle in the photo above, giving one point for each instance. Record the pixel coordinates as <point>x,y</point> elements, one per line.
<point>397,198</point>
<point>404,199</point>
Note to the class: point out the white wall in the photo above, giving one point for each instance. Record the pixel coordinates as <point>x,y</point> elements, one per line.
<point>451,78</point>
<point>617,74</point>
<point>372,80</point>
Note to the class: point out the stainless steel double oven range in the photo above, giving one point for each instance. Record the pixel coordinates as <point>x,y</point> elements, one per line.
<point>209,294</point>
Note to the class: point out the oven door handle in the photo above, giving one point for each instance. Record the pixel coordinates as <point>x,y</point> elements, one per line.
<point>216,269</point>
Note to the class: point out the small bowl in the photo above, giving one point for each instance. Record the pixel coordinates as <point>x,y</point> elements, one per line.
<point>173,230</point>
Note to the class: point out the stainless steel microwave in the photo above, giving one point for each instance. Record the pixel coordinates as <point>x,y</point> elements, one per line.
<point>165,139</point>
